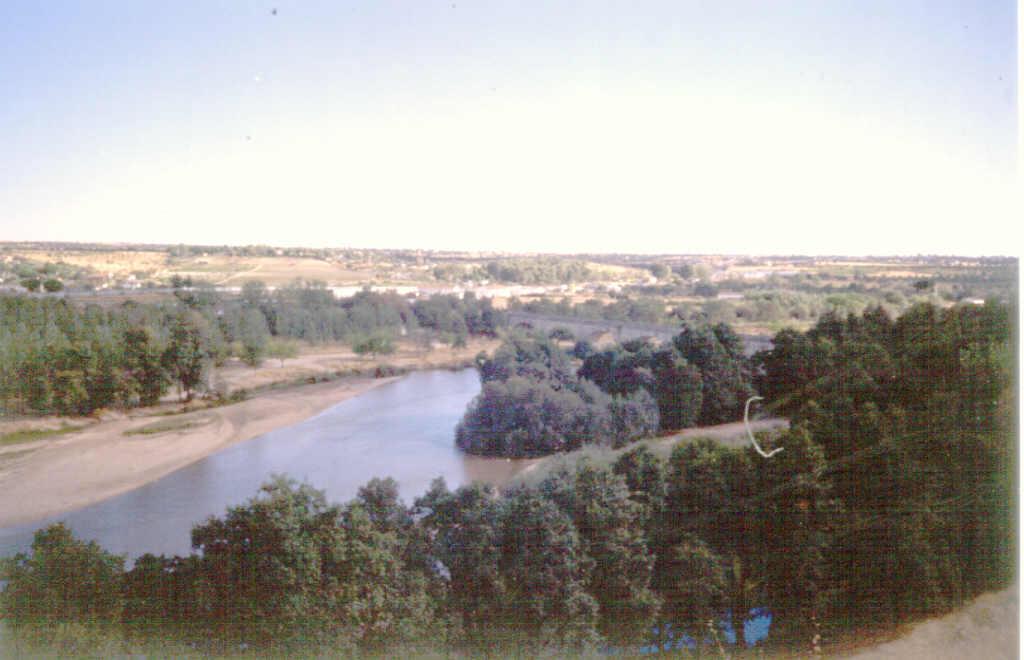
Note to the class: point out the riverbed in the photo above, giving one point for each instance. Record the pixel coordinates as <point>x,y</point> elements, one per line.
<point>403,429</point>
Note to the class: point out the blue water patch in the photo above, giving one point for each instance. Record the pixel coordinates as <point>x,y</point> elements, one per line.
<point>755,626</point>
<point>755,629</point>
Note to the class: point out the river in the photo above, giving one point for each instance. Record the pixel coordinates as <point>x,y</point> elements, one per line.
<point>403,430</point>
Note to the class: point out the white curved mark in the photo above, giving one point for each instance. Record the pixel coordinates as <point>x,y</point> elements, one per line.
<point>746,422</point>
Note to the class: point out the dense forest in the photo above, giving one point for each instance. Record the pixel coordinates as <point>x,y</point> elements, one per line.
<point>56,356</point>
<point>536,400</point>
<point>891,500</point>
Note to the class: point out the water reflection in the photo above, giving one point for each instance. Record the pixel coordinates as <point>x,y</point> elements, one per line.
<point>404,430</point>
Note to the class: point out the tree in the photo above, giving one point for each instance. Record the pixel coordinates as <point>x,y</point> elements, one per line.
<point>529,356</point>
<point>793,513</point>
<point>582,349</point>
<point>371,591</point>
<point>253,334</point>
<point>254,294</point>
<point>145,372</point>
<point>63,580</point>
<point>678,389</point>
<point>645,478</point>
<point>611,532</point>
<point>561,334</point>
<point>633,417</point>
<point>264,562</point>
<point>725,373</point>
<point>661,271</point>
<point>282,349</point>
<point>467,542</point>
<point>374,345</point>
<point>693,585</point>
<point>544,569</point>
<point>523,417</point>
<point>709,496</point>
<point>187,355</point>
<point>53,285</point>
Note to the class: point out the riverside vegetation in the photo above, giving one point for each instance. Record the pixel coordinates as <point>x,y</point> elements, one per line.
<point>536,401</point>
<point>58,357</point>
<point>892,501</point>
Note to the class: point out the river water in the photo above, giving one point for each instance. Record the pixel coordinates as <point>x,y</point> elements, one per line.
<point>403,429</point>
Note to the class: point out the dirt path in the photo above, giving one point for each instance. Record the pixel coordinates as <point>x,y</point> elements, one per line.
<point>986,629</point>
<point>334,358</point>
<point>733,434</point>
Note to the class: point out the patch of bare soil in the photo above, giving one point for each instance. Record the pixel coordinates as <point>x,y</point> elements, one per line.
<point>339,358</point>
<point>114,452</point>
<point>986,629</point>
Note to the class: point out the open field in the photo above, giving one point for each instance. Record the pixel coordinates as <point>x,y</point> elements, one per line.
<point>754,295</point>
<point>223,270</point>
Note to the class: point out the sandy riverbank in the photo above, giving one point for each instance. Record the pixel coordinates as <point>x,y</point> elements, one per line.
<point>106,459</point>
<point>67,471</point>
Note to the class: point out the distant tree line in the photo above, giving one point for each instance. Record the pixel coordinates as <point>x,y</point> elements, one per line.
<point>536,401</point>
<point>56,356</point>
<point>540,270</point>
<point>644,309</point>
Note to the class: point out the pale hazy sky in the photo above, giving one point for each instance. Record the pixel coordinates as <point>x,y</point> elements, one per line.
<point>862,127</point>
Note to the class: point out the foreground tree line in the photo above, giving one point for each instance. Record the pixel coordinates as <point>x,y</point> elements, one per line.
<point>585,559</point>
<point>890,501</point>
<point>59,357</point>
<point>538,398</point>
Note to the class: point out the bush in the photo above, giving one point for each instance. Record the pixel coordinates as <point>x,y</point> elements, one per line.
<point>387,371</point>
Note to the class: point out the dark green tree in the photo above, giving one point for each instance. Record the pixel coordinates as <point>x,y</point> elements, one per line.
<point>188,353</point>
<point>143,366</point>
<point>544,569</point>
<point>63,580</point>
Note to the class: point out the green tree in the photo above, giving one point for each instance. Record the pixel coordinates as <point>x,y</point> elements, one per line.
<point>467,541</point>
<point>263,562</point>
<point>143,364</point>
<point>282,349</point>
<point>372,593</point>
<point>661,271</point>
<point>544,567</point>
<point>52,285</point>
<point>253,334</point>
<point>633,417</point>
<point>611,532</point>
<point>187,356</point>
<point>678,388</point>
<point>374,345</point>
<point>63,580</point>
<point>693,585</point>
<point>523,417</point>
<point>717,352</point>
<point>529,356</point>
<point>645,478</point>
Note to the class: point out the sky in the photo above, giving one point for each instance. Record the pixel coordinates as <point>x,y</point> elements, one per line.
<point>817,127</point>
